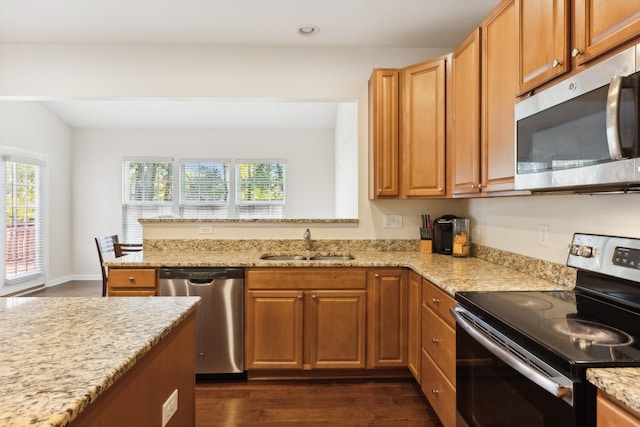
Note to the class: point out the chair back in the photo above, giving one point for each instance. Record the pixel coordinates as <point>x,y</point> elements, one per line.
<point>122,249</point>
<point>106,251</point>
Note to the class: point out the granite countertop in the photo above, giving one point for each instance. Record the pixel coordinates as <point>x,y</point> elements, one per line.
<point>59,354</point>
<point>449,273</point>
<point>619,383</point>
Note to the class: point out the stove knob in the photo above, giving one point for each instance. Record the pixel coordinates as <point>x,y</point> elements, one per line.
<point>585,251</point>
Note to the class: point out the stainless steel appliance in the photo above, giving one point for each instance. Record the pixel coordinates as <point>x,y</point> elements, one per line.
<point>219,318</point>
<point>522,356</point>
<point>582,134</point>
<point>443,234</point>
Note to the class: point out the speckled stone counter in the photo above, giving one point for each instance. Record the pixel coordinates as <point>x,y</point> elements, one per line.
<point>59,354</point>
<point>449,273</point>
<point>623,384</point>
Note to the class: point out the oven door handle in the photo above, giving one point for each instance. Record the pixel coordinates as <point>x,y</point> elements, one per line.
<point>545,382</point>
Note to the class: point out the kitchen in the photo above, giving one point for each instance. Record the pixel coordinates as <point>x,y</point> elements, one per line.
<point>139,71</point>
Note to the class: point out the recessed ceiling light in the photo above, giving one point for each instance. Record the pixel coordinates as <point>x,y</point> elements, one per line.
<point>306,30</point>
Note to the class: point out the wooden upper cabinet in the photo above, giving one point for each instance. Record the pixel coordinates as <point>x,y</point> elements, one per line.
<point>465,109</point>
<point>423,129</point>
<point>600,25</point>
<point>499,88</point>
<point>544,41</point>
<point>383,134</point>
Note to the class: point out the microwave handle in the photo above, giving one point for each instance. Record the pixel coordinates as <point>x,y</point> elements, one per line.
<point>612,117</point>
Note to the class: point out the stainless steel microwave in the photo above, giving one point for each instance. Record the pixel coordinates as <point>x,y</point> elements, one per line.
<point>581,135</point>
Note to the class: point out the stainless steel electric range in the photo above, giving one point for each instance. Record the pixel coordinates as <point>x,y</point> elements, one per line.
<point>522,356</point>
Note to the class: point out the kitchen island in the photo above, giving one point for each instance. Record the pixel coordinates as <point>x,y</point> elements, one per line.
<point>74,360</point>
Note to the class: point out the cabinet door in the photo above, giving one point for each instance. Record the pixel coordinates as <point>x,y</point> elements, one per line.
<point>423,129</point>
<point>465,98</point>
<point>383,134</point>
<point>544,36</point>
<point>387,318</point>
<point>499,88</point>
<point>336,329</point>
<point>601,25</point>
<point>274,329</point>
<point>414,324</point>
<point>610,414</point>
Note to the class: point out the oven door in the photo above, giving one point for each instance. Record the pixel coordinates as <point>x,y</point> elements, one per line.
<point>499,383</point>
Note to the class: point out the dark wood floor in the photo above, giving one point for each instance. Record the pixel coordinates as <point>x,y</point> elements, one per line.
<point>396,403</point>
<point>313,403</point>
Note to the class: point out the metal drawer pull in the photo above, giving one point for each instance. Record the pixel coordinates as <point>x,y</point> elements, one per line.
<point>435,301</point>
<point>435,340</point>
<point>131,279</point>
<point>435,391</point>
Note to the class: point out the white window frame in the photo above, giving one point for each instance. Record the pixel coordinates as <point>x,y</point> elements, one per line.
<point>274,208</point>
<point>36,275</point>
<point>131,230</point>
<point>203,208</point>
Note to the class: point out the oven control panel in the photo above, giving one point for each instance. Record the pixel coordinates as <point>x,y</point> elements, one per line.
<point>626,257</point>
<point>615,256</point>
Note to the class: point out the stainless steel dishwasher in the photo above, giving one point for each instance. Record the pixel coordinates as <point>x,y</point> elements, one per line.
<point>219,318</point>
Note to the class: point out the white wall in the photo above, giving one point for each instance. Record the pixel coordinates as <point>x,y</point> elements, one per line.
<point>99,153</point>
<point>29,126</point>
<point>512,223</point>
<point>107,71</point>
<point>346,161</point>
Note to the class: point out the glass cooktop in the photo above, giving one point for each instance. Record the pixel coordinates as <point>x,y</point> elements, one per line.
<point>568,329</point>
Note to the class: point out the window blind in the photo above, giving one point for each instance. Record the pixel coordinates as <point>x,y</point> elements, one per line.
<point>147,193</point>
<point>23,221</point>
<point>260,189</point>
<point>204,189</point>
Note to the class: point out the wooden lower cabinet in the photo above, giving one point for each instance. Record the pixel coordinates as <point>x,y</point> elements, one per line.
<point>305,328</point>
<point>438,363</point>
<point>414,324</point>
<point>440,393</point>
<point>610,414</point>
<point>136,282</point>
<point>387,334</point>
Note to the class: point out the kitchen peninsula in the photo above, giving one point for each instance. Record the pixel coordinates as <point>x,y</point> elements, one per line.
<point>96,361</point>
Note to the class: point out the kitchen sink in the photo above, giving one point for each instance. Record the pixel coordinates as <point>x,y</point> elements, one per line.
<point>316,257</point>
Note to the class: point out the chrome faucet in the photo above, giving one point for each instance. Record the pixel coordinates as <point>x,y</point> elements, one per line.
<point>307,238</point>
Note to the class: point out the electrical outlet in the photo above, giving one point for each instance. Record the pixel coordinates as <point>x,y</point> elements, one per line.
<point>205,229</point>
<point>392,221</point>
<point>169,407</point>
<point>543,234</point>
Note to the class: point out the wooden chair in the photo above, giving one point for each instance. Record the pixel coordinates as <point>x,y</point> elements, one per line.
<point>106,251</point>
<point>122,249</point>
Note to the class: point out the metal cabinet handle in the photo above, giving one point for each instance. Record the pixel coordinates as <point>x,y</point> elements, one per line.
<point>131,279</point>
<point>440,190</point>
<point>556,63</point>
<point>377,276</point>
<point>299,296</point>
<point>435,391</point>
<point>435,340</point>
<point>575,52</point>
<point>435,301</point>
<point>314,296</point>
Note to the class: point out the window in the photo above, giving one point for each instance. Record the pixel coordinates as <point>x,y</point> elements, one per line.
<point>23,221</point>
<point>204,189</point>
<point>260,190</point>
<point>147,193</point>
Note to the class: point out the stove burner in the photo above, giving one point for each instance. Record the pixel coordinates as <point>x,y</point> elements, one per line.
<point>526,302</point>
<point>584,333</point>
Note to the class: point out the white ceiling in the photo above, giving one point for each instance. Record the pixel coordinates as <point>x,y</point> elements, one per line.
<point>397,23</point>
<point>346,23</point>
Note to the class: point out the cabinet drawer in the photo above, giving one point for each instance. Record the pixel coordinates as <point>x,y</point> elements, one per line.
<point>439,391</point>
<point>132,278</point>
<point>439,340</point>
<point>306,278</point>
<point>131,293</point>
<point>439,301</point>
